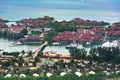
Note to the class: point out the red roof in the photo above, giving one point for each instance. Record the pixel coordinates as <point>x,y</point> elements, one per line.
<point>98,30</point>
<point>70,36</point>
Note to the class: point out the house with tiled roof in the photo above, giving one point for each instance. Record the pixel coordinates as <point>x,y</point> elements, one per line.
<point>17,28</point>
<point>83,36</point>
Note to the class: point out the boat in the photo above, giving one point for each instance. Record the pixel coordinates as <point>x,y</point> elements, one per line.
<point>13,44</point>
<point>19,43</point>
<point>56,43</point>
<point>1,49</point>
<point>79,46</point>
<point>72,45</point>
<point>88,43</point>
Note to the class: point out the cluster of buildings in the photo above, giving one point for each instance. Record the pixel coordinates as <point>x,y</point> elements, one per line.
<point>92,35</point>
<point>30,40</point>
<point>51,54</point>
<point>4,59</point>
<point>3,26</point>
<point>114,30</point>
<point>87,22</point>
<point>77,22</point>
<point>38,22</point>
<point>82,36</point>
<point>17,28</point>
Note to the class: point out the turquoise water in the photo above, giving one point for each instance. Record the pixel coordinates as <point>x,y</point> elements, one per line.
<point>61,9</point>
<point>8,47</point>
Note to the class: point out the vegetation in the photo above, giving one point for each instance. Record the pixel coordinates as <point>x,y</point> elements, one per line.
<point>100,54</point>
<point>11,53</point>
<point>5,21</point>
<point>13,36</point>
<point>60,28</point>
<point>106,54</point>
<point>70,76</point>
<point>48,37</point>
<point>78,53</point>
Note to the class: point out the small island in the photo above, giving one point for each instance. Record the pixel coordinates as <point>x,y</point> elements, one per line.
<point>100,63</point>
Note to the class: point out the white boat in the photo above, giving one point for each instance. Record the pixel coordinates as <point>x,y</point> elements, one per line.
<point>13,45</point>
<point>1,49</point>
<point>19,43</point>
<point>72,45</point>
<point>79,46</point>
<point>56,43</point>
<point>88,43</point>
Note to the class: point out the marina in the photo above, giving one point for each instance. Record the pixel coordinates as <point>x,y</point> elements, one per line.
<point>8,46</point>
<point>13,46</point>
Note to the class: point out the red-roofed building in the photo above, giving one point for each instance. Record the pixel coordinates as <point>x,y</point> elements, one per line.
<point>113,33</point>
<point>17,28</point>
<point>98,31</point>
<point>90,37</point>
<point>68,37</point>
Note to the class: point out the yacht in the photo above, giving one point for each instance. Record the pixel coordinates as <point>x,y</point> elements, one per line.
<point>72,45</point>
<point>88,43</point>
<point>79,46</point>
<point>56,43</point>
<point>19,43</point>
<point>1,49</point>
<point>13,44</point>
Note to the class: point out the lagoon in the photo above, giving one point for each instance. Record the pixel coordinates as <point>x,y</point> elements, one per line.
<point>8,47</point>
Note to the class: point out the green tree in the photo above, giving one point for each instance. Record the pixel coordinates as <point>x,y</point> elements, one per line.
<point>24,32</point>
<point>20,61</point>
<point>48,37</point>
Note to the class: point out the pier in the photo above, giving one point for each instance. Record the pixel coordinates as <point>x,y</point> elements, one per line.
<point>39,49</point>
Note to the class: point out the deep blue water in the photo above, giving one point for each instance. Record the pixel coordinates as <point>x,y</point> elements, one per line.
<point>106,10</point>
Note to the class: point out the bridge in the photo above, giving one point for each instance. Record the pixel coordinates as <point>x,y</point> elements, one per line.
<point>39,49</point>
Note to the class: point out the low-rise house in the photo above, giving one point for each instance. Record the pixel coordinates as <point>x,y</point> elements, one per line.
<point>82,36</point>
<point>113,33</point>
<point>90,37</point>
<point>1,69</point>
<point>98,31</point>
<point>37,29</point>
<point>80,21</point>
<point>5,58</point>
<point>52,54</point>
<point>64,23</point>
<point>28,59</point>
<point>17,28</point>
<point>48,29</point>
<point>38,64</point>
<point>33,68</point>
<point>3,27</point>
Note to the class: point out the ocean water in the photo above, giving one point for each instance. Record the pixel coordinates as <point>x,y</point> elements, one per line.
<point>101,10</point>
